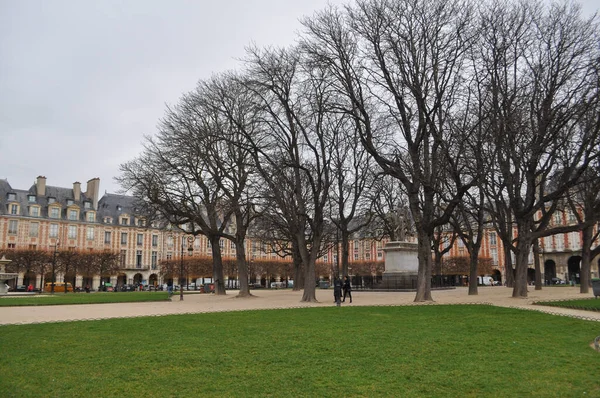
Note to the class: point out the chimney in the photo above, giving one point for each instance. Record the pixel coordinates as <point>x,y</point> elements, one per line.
<point>40,186</point>
<point>77,191</point>
<point>93,189</point>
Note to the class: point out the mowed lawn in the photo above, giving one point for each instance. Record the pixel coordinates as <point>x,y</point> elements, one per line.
<point>82,298</point>
<point>412,351</point>
<point>588,304</point>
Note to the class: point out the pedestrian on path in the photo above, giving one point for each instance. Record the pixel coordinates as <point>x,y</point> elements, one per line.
<point>347,289</point>
<point>337,291</point>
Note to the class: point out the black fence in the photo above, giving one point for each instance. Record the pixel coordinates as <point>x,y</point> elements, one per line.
<point>404,282</point>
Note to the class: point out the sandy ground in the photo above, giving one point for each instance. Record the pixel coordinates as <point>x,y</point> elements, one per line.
<point>268,299</point>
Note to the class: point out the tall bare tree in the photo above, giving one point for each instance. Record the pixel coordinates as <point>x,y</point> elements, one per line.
<point>231,105</point>
<point>296,143</point>
<point>584,203</point>
<point>401,67</point>
<point>353,176</point>
<point>176,175</point>
<point>540,63</point>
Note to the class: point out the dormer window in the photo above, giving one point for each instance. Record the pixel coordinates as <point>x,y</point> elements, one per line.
<point>34,211</point>
<point>14,209</point>
<point>73,215</point>
<point>31,198</point>
<point>51,200</point>
<point>124,221</point>
<point>54,212</point>
<point>107,220</point>
<point>91,216</point>
<point>12,196</point>
<point>87,205</point>
<point>70,202</point>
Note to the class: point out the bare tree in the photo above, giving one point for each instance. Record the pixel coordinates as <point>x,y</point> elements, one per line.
<point>352,179</point>
<point>29,260</point>
<point>232,106</point>
<point>105,262</point>
<point>584,203</point>
<point>401,66</point>
<point>387,199</point>
<point>68,262</point>
<point>443,240</point>
<point>540,64</point>
<point>468,222</point>
<point>186,175</point>
<point>296,143</point>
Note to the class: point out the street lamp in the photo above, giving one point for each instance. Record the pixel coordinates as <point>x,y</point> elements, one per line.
<point>56,245</point>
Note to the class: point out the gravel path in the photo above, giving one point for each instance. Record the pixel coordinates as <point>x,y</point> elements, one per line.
<point>268,299</point>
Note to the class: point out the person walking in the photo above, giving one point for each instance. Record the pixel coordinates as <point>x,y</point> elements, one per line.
<point>347,289</point>
<point>337,291</point>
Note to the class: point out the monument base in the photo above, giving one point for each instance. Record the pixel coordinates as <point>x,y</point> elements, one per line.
<point>401,266</point>
<point>399,281</point>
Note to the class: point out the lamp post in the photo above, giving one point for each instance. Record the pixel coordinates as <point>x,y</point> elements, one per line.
<point>181,273</point>
<point>56,245</point>
<point>190,240</point>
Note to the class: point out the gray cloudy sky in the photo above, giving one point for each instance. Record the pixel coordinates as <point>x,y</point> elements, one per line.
<point>82,81</point>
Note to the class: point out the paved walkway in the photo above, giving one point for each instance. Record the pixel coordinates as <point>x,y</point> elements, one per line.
<point>268,299</point>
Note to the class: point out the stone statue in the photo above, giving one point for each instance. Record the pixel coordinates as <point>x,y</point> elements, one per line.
<point>404,223</point>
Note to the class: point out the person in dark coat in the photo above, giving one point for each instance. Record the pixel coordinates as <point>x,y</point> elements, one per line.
<point>337,291</point>
<point>347,289</point>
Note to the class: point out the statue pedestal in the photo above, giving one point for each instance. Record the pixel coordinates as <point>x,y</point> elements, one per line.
<point>401,265</point>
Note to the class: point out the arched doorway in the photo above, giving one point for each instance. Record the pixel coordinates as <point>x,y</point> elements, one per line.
<point>530,275</point>
<point>121,281</point>
<point>574,268</point>
<point>497,275</point>
<point>549,271</point>
<point>71,277</point>
<point>87,281</point>
<point>137,279</point>
<point>30,279</point>
<point>153,280</point>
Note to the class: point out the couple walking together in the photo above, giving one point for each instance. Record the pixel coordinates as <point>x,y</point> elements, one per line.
<point>337,290</point>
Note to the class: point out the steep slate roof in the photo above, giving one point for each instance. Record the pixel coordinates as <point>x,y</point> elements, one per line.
<point>113,206</point>
<point>61,195</point>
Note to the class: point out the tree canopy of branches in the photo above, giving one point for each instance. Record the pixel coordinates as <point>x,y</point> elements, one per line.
<point>476,111</point>
<point>540,74</point>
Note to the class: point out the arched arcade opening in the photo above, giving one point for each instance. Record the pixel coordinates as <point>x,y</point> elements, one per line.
<point>574,264</point>
<point>549,271</point>
<point>530,275</point>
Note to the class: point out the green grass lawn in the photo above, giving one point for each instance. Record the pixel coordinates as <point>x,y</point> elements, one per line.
<point>82,298</point>
<point>412,351</point>
<point>589,304</point>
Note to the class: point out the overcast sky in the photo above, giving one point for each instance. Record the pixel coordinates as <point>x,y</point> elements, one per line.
<point>82,81</point>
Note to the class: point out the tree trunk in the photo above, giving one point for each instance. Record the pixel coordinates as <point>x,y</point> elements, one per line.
<point>308,259</point>
<point>65,280</point>
<point>586,260</point>
<point>424,254</point>
<point>240,254</point>
<point>298,269</point>
<point>509,272</point>
<point>473,290</point>
<point>536,261</point>
<point>218,276</point>
<point>345,253</point>
<point>523,247</point>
